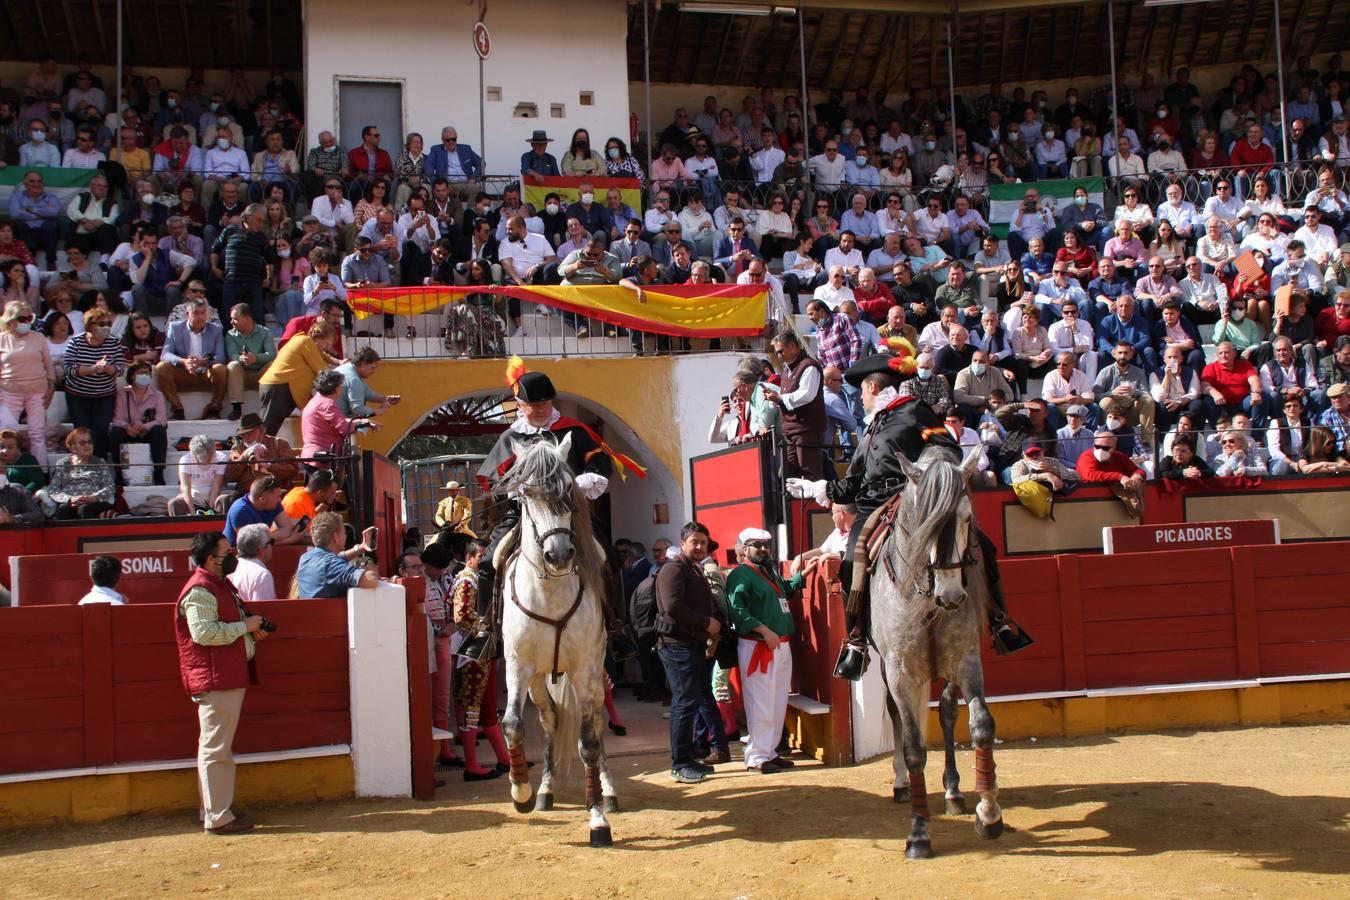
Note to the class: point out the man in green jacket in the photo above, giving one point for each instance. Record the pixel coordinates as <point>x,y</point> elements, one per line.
<point>758,598</point>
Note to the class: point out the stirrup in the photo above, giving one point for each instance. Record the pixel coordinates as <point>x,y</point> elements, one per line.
<point>852,662</point>
<point>1008,637</point>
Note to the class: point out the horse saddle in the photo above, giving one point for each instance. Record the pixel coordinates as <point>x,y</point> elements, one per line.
<point>871,540</point>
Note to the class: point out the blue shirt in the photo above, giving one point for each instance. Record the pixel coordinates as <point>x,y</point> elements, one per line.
<point>323,573</point>
<point>540,165</point>
<point>864,225</point>
<point>352,398</point>
<point>243,512</point>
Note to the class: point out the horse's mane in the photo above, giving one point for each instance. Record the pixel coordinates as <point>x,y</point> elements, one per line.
<point>541,474</point>
<point>928,509</point>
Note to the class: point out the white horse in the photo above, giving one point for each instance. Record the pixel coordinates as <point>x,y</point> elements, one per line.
<point>928,606</point>
<point>553,631</point>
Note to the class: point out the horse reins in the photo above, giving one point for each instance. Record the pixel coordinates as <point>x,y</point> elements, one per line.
<point>559,623</point>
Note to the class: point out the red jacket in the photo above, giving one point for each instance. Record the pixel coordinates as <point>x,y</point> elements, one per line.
<point>359,163</point>
<point>1244,155</point>
<point>300,325</point>
<point>1328,327</point>
<point>210,668</point>
<point>874,306</point>
<point>1092,471</point>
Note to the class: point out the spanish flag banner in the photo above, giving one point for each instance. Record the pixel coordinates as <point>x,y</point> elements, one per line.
<point>680,310</point>
<point>536,189</point>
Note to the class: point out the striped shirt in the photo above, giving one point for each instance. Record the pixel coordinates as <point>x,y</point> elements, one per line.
<point>245,255</point>
<point>79,353</point>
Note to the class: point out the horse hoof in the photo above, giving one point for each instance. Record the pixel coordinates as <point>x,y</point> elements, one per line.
<point>611,804</point>
<point>600,837</point>
<point>990,831</point>
<point>543,803</point>
<point>918,849</point>
<point>956,806</point>
<point>900,794</point>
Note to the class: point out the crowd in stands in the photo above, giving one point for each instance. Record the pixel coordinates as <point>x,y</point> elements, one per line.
<point>213,252</point>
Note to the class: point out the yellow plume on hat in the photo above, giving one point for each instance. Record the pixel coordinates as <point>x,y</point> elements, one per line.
<point>515,369</point>
<point>904,358</point>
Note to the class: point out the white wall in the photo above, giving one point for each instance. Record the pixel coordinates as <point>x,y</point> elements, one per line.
<point>539,55</point>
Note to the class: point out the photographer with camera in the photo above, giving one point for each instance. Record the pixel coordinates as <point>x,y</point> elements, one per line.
<point>216,638</point>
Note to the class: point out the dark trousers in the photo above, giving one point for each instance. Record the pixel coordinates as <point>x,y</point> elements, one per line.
<point>157,438</point>
<point>802,456</point>
<point>94,413</point>
<point>83,511</point>
<point>277,403</point>
<point>689,674</point>
<point>233,292</point>
<point>104,240</point>
<point>40,236</point>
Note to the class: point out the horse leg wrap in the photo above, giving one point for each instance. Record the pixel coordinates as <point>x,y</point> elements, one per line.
<point>984,771</point>
<point>520,770</point>
<point>592,786</point>
<point>918,795</point>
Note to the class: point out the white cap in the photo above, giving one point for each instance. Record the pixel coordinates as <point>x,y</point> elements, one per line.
<point>754,534</point>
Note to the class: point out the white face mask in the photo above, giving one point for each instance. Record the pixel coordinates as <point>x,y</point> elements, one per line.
<point>978,369</point>
<point>23,327</point>
<point>171,103</point>
<point>1115,424</point>
<point>845,132</point>
<point>588,198</point>
<point>551,209</point>
<point>223,143</point>
<point>147,199</point>
<point>1236,314</point>
<point>284,254</point>
<point>102,332</point>
<point>215,106</point>
<point>1101,453</point>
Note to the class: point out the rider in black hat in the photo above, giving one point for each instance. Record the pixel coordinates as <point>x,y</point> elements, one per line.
<point>896,424</point>
<point>591,459</point>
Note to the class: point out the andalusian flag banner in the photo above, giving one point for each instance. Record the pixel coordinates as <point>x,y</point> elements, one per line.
<point>64,183</point>
<point>1055,195</point>
<point>681,310</point>
<point>566,188</point>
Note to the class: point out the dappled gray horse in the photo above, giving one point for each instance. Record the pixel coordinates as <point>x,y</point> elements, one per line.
<point>928,607</point>
<point>553,631</point>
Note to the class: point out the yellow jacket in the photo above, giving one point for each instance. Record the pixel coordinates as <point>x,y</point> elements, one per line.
<point>455,513</point>
<point>296,365</point>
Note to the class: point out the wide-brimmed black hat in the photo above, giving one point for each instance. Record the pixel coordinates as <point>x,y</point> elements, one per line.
<point>900,364</point>
<point>534,387</point>
<point>249,422</point>
<point>539,137</point>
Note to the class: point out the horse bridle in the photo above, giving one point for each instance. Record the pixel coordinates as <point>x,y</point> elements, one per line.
<point>541,537</point>
<point>560,623</point>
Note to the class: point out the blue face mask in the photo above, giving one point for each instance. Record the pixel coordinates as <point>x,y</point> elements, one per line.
<point>23,327</point>
<point>925,374</point>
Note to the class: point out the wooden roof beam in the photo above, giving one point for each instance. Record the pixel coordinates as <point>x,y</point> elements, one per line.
<point>1169,65</point>
<point>849,84</point>
<point>694,57</point>
<point>674,49</point>
<point>887,37</point>
<point>722,51</point>
<point>96,7</point>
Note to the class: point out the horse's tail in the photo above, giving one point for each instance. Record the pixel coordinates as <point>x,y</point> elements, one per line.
<point>567,725</point>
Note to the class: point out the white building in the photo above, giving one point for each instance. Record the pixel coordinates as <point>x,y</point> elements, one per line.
<point>410,66</point>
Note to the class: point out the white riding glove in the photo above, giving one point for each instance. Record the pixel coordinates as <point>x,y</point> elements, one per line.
<point>592,485</point>
<point>805,488</point>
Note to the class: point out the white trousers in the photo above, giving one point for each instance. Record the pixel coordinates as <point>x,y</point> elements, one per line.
<point>765,694</point>
<point>218,712</point>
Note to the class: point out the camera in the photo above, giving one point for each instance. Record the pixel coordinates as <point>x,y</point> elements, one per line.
<point>267,625</point>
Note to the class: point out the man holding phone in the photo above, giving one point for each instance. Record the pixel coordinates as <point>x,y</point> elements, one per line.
<point>327,569</point>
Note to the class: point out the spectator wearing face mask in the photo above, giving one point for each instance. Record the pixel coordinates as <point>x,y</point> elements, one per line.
<point>139,418</point>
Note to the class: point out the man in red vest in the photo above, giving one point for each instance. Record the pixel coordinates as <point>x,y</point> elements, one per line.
<point>215,649</point>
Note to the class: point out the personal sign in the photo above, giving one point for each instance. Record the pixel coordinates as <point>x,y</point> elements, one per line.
<point>1189,535</point>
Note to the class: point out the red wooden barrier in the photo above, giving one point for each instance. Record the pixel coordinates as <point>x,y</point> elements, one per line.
<point>820,631</point>
<point>98,685</point>
<point>148,576</point>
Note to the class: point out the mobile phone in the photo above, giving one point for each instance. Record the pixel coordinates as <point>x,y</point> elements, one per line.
<point>371,537</point>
